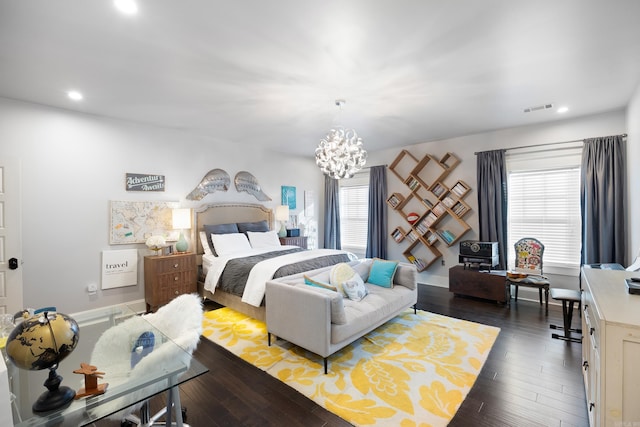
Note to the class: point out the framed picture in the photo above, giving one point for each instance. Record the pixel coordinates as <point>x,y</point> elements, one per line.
<point>119,268</point>
<point>309,201</point>
<point>289,196</point>
<point>134,222</point>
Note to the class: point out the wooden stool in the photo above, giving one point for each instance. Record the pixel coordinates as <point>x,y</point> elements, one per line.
<point>568,297</point>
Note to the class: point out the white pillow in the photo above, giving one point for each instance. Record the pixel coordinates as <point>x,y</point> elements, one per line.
<point>226,244</point>
<point>339,274</point>
<point>263,239</point>
<point>205,243</point>
<point>355,288</point>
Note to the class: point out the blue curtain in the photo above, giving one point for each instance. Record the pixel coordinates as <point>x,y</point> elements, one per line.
<point>331,213</point>
<point>377,224</point>
<point>492,200</point>
<point>602,196</point>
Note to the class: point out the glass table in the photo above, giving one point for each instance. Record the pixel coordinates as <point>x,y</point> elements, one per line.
<point>27,386</point>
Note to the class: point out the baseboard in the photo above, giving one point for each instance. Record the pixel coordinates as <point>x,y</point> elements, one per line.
<point>138,306</point>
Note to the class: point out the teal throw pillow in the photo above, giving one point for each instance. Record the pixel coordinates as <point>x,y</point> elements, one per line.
<point>382,272</point>
<point>318,284</point>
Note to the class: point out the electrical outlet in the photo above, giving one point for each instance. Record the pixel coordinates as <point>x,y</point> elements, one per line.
<point>442,261</point>
<point>92,288</point>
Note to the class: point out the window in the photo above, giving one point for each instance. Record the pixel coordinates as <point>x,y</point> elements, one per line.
<point>354,201</point>
<point>544,203</point>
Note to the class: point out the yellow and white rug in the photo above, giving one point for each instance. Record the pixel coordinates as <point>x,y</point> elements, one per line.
<point>414,371</point>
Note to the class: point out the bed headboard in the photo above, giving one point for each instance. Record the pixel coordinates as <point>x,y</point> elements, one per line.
<point>223,213</point>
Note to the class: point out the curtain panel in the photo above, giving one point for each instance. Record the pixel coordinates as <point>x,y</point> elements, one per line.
<point>377,221</point>
<point>492,200</point>
<point>331,213</point>
<point>602,197</point>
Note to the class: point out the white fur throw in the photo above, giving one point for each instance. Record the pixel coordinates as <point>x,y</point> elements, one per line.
<point>180,321</point>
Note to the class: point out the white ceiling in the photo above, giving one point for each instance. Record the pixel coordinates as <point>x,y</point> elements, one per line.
<point>268,72</point>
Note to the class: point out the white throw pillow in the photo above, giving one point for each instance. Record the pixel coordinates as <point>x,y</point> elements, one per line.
<point>205,243</point>
<point>226,244</point>
<point>263,239</point>
<point>355,288</point>
<point>339,274</point>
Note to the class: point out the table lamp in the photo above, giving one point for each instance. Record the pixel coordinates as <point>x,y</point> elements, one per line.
<point>181,221</point>
<point>282,215</point>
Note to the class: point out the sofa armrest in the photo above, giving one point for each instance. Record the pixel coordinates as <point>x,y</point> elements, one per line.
<point>406,275</point>
<point>300,315</point>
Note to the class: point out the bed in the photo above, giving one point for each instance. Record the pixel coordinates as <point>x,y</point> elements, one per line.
<point>231,279</point>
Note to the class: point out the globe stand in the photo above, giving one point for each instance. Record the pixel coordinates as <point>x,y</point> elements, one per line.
<point>56,397</point>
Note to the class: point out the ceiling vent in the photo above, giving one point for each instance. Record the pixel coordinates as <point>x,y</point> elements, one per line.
<point>538,108</point>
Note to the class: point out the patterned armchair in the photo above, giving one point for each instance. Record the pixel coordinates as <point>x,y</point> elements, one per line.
<point>528,268</point>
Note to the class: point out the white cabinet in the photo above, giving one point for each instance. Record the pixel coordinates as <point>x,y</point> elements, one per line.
<point>610,348</point>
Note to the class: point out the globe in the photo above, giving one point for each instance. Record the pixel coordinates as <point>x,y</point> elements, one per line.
<point>42,342</point>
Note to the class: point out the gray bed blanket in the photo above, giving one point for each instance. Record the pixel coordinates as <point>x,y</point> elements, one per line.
<point>236,272</point>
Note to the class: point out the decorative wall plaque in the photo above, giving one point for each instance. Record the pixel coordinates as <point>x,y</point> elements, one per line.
<point>144,182</point>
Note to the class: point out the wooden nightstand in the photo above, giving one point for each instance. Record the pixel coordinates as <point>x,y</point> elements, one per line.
<point>166,277</point>
<point>296,241</point>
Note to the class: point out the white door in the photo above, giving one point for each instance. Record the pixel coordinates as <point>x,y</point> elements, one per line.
<point>10,244</point>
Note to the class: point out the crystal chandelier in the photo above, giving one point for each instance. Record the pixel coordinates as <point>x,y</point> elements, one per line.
<point>340,153</point>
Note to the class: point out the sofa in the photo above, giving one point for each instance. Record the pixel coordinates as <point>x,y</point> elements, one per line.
<point>322,320</point>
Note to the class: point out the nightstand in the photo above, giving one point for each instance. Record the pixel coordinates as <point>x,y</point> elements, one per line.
<point>296,241</point>
<point>166,277</point>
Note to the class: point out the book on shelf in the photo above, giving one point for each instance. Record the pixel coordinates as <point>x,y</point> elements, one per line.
<point>447,236</point>
<point>411,258</point>
<point>438,209</point>
<point>448,201</point>
<point>397,235</point>
<point>394,201</point>
<point>438,190</point>
<point>431,238</point>
<point>428,203</point>
<point>422,228</point>
<point>412,236</point>
<point>430,219</point>
<point>413,183</point>
<point>459,209</point>
<point>459,189</point>
<point>420,265</point>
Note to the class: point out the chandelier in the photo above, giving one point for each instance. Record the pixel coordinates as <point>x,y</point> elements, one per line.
<point>340,153</point>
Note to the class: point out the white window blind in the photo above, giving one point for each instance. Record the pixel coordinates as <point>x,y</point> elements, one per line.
<point>354,200</point>
<point>544,203</point>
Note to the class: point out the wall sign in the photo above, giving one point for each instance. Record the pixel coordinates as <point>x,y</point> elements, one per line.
<point>144,182</point>
<point>119,268</point>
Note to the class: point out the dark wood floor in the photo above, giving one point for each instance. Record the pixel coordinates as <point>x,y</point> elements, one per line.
<point>529,378</point>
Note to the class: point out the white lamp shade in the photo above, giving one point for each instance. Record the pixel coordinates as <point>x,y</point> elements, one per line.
<point>282,213</point>
<point>181,219</point>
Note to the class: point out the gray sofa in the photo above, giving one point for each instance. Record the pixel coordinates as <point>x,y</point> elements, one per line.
<point>323,321</point>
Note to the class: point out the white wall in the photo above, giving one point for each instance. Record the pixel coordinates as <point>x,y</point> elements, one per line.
<point>464,148</point>
<point>633,174</point>
<point>74,164</point>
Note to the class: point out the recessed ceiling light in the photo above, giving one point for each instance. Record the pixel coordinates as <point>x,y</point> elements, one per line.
<point>128,7</point>
<point>75,95</point>
<point>562,110</point>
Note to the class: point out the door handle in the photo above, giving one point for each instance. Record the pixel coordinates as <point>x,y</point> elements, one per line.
<point>13,263</point>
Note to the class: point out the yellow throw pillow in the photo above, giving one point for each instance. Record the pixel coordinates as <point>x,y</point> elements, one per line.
<point>340,273</point>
